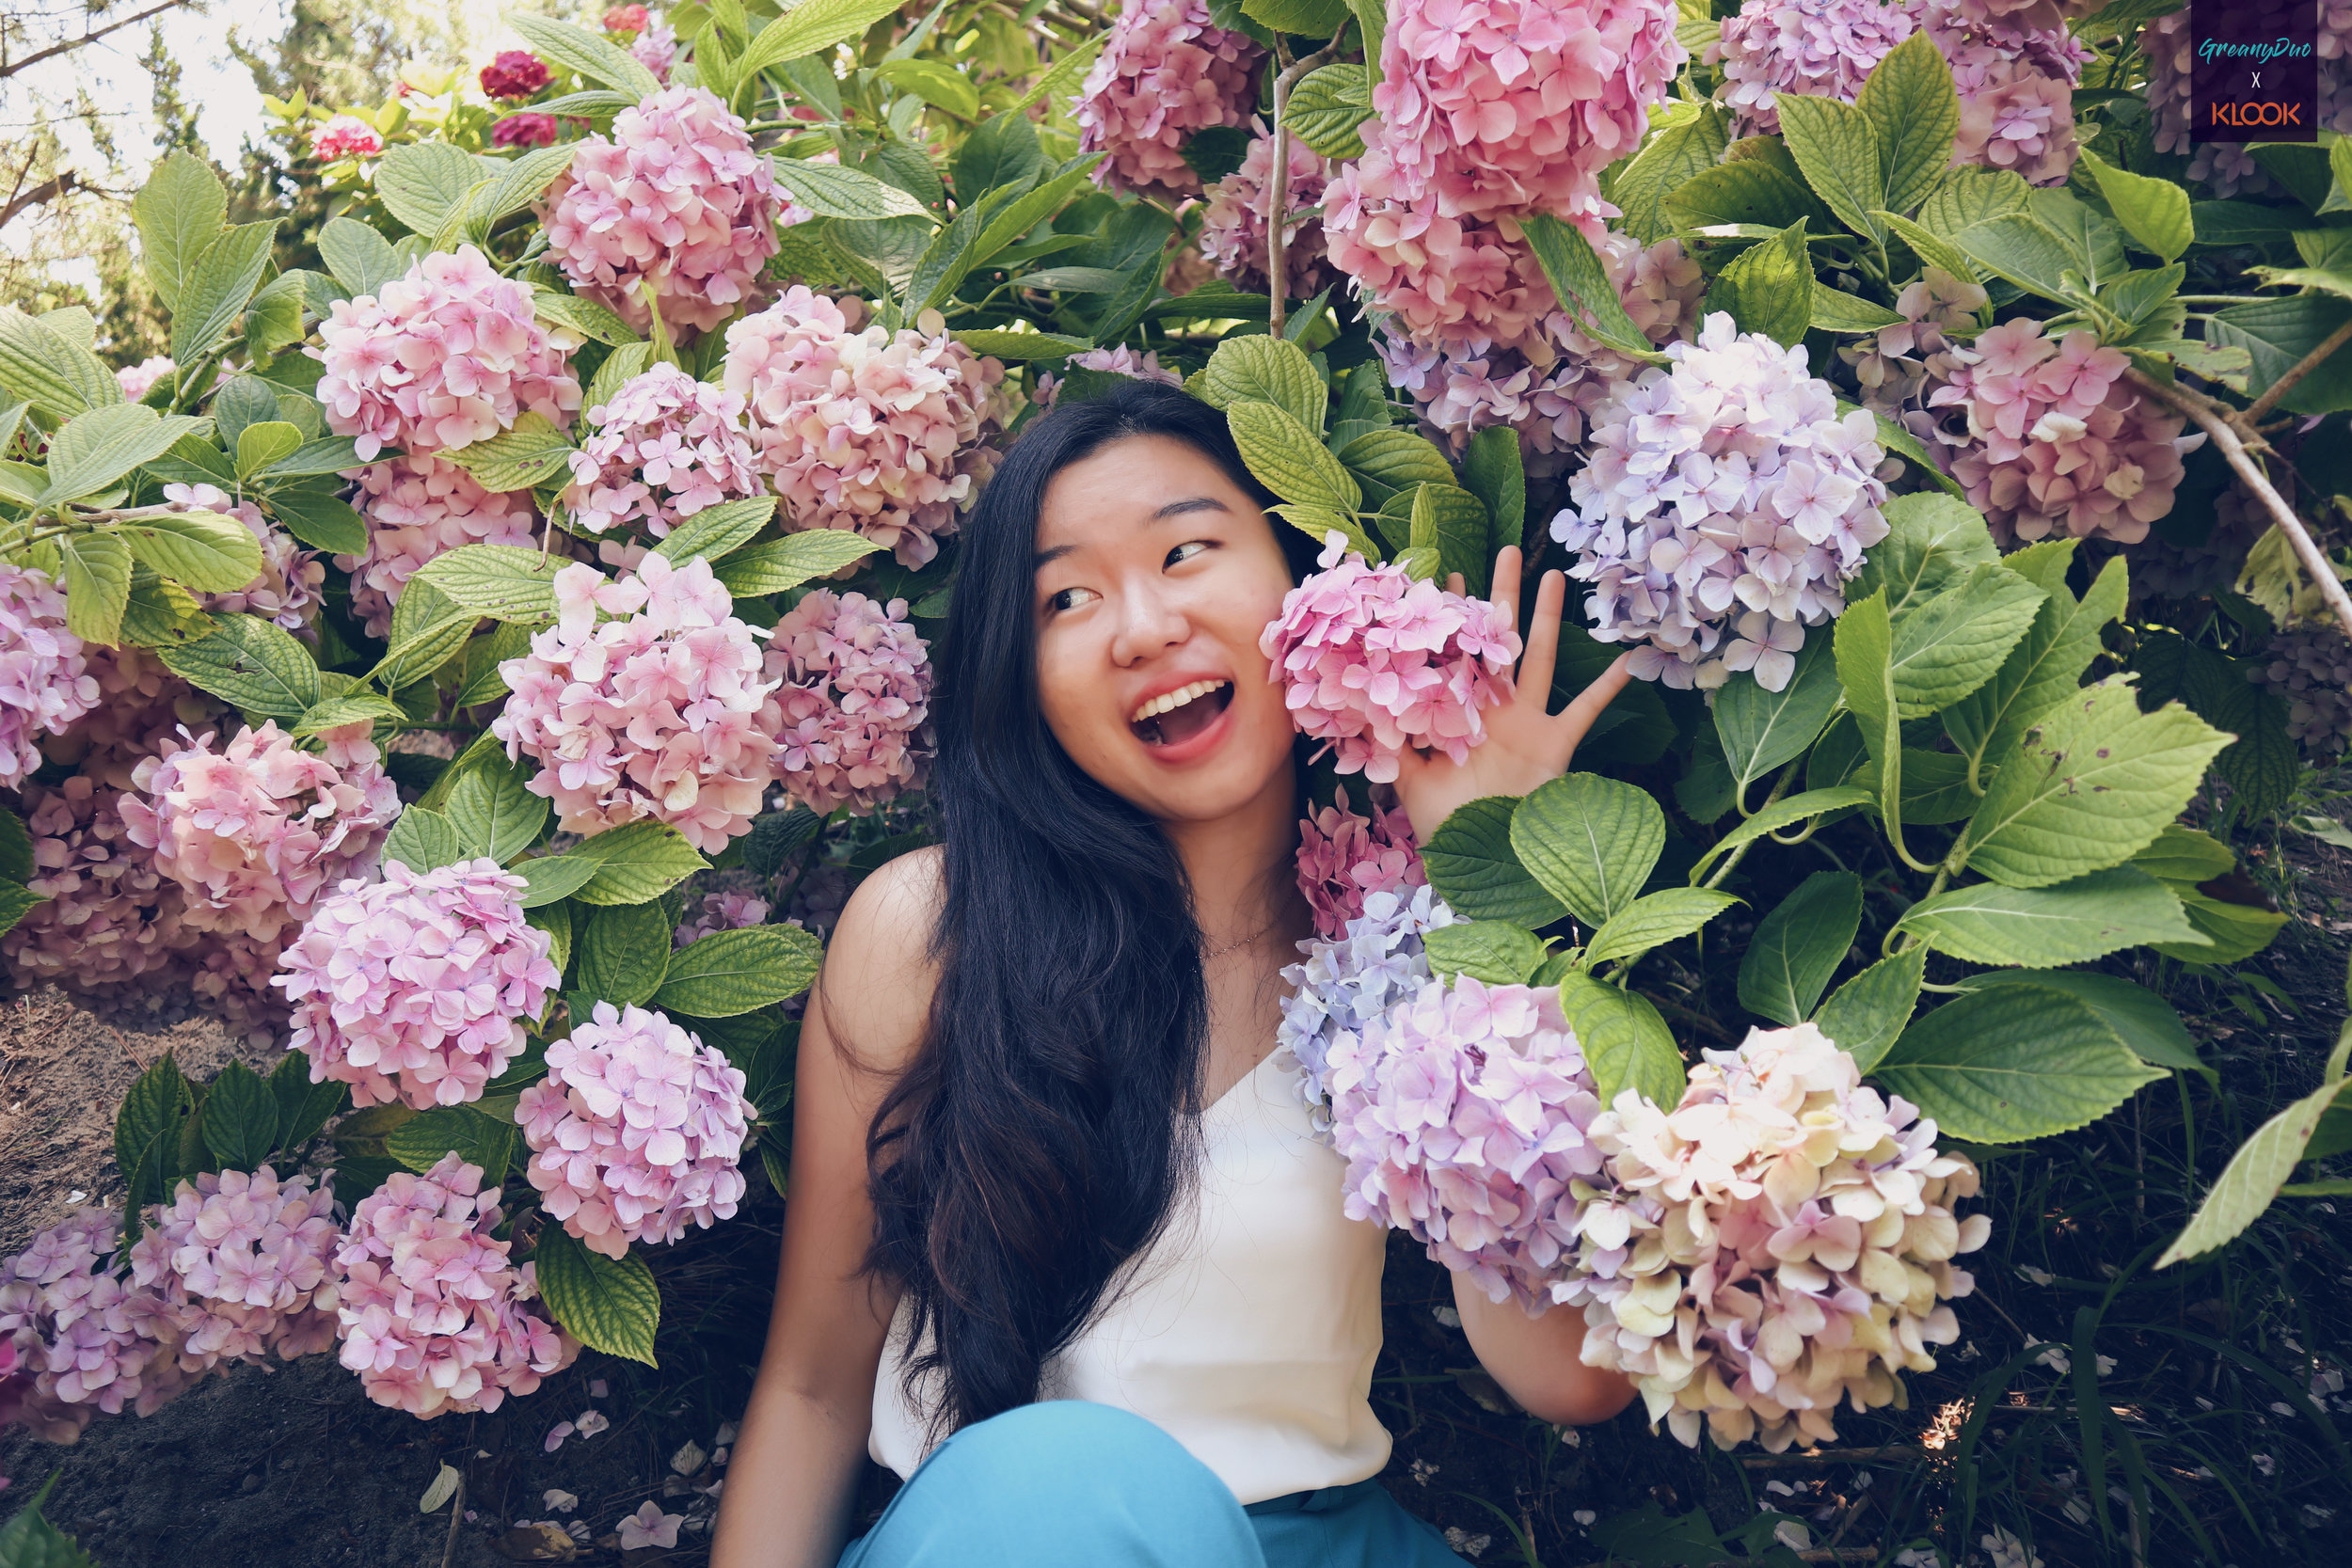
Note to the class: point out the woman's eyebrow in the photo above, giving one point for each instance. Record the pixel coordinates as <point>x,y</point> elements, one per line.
<point>1173,509</point>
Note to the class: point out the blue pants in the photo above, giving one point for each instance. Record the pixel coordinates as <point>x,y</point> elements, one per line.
<point>1068,1484</point>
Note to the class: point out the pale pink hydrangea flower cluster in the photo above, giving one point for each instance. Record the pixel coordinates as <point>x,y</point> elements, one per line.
<point>1449,282</point>
<point>1234,228</point>
<point>1163,72</point>
<point>73,1327</point>
<point>45,682</point>
<point>2056,443</point>
<point>236,1267</point>
<point>677,204</point>
<point>292,582</point>
<point>1117,360</point>
<point>1548,390</point>
<point>417,989</point>
<point>1349,982</point>
<point>656,49</point>
<point>2311,665</point>
<point>664,448</point>
<point>720,912</point>
<point>1462,1116</point>
<point>445,357</point>
<point>1897,368</point>
<point>417,508</point>
<point>854,683</point>
<point>2015,68</point>
<point>1782,1238</point>
<point>433,1315</point>
<point>1344,859</point>
<point>635,1130</point>
<point>345,136</point>
<point>1373,662</point>
<point>256,832</point>
<point>139,380</point>
<point>1726,493</point>
<point>661,711</point>
<point>1814,48</point>
<point>883,434</point>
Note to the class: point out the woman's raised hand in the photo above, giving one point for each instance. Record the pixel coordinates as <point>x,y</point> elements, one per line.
<point>1524,746</point>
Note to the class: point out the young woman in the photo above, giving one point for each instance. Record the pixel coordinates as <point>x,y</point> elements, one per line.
<point>1055,1199</point>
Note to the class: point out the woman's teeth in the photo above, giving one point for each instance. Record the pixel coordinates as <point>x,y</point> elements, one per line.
<point>1170,701</point>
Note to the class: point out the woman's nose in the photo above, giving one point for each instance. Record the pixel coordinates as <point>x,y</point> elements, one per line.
<point>1150,622</point>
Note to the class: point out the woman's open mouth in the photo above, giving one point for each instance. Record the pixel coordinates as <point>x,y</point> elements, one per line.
<point>1176,717</point>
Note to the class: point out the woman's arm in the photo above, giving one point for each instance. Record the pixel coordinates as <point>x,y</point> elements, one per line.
<point>1536,1359</point>
<point>793,1478</point>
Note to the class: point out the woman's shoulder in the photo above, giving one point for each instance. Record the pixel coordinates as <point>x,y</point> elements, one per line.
<point>878,973</point>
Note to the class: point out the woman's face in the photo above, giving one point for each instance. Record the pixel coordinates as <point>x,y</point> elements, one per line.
<point>1155,575</point>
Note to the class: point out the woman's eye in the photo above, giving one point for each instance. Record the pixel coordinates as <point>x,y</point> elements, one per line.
<point>1069,598</point>
<point>1187,550</point>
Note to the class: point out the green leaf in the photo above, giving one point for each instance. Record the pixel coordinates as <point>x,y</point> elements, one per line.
<point>1319,522</point>
<point>250,663</point>
<point>200,550</point>
<point>240,1118</point>
<point>2278,333</point>
<point>2185,856</point>
<point>1318,19</point>
<point>935,82</point>
<point>2020,248</point>
<point>1625,1044</point>
<point>353,707</point>
<point>596,59</point>
<point>329,455</point>
<point>427,632</point>
<point>1327,105</point>
<point>832,191</point>
<point>495,814</point>
<point>1655,920</point>
<point>1836,148</point>
<point>320,520</point>
<point>1971,194</point>
<point>2253,1176</point>
<point>2094,246</point>
<point>1286,458</point>
<point>468,1132</point>
<point>1762,730</point>
<point>1781,814</point>
<point>1492,471</point>
<point>43,366</point>
<point>1931,541</point>
<point>1001,151</point>
<point>1799,945</point>
<point>553,877</point>
<point>789,562</point>
<point>998,344</point>
<point>93,452</point>
<point>1062,78</point>
<point>2262,765</point>
<point>1835,310</point>
<point>637,862</point>
<point>2045,668</point>
<point>30,1541</point>
<point>1494,951</point>
<point>423,840</point>
<point>304,1107</point>
<point>727,974</point>
<point>1864,645</point>
<point>1950,644</point>
<point>1260,369</point>
<point>15,904</point>
<point>16,849</point>
<point>2043,927</point>
<point>529,453</point>
<point>1932,249</point>
<point>1768,288</point>
<point>1690,144</point>
<point>1581,284</point>
<point>716,531</point>
<point>1471,863</point>
<point>1453,522</point>
<point>608,1303</point>
<point>1868,1013</point>
<point>1392,460</point>
<point>2144,1022</point>
<point>2153,211</point>
<point>624,953</point>
<point>2013,1063</point>
<point>505,583</point>
<point>216,293</point>
<point>1589,841</point>
<point>179,212</point>
<point>1912,110</point>
<point>1763,192</point>
<point>361,259</point>
<point>97,584</point>
<point>150,1116</point>
<point>2090,785</point>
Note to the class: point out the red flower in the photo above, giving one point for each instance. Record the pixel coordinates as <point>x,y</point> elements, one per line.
<point>516,74</point>
<point>524,131</point>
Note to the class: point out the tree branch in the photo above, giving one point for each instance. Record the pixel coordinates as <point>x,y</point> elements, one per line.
<point>48,190</point>
<point>66,46</point>
<point>1277,186</point>
<point>2301,367</point>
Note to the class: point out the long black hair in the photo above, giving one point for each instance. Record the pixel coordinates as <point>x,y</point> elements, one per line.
<point>1049,1122</point>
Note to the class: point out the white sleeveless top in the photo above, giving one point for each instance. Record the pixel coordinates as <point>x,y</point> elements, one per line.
<point>1247,1332</point>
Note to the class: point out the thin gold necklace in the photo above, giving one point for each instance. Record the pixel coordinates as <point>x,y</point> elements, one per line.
<point>1254,937</point>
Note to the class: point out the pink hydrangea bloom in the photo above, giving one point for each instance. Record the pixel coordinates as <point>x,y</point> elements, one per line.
<point>1117,360</point>
<point>345,136</point>
<point>1164,73</point>
<point>1780,1240</point>
<point>661,712</point>
<point>1500,107</point>
<point>256,832</point>
<point>721,911</point>
<point>1816,48</point>
<point>137,380</point>
<point>1373,662</point>
<point>71,1322</point>
<point>630,20</point>
<point>417,989</point>
<point>1462,1115</point>
<point>635,1130</point>
<point>514,74</point>
<point>417,508</point>
<point>2015,69</point>
<point>656,49</point>
<point>237,1267</point>
<point>1726,493</point>
<point>1348,982</point>
<point>854,683</point>
<point>1898,367</point>
<point>433,1315</point>
<point>2054,442</point>
<point>2311,665</point>
<point>1448,281</point>
<point>676,200</point>
<point>445,357</point>
<point>1548,389</point>
<point>1344,859</point>
<point>45,682</point>
<point>524,130</point>
<point>885,434</point>
<point>664,448</point>
<point>293,579</point>
<point>1233,229</point>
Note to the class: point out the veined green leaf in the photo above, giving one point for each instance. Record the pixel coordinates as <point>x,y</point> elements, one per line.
<point>1761,730</point>
<point>2044,928</point>
<point>1395,460</point>
<point>2144,1022</point>
<point>57,376</point>
<point>1910,103</point>
<point>1453,522</point>
<point>1670,157</point>
<point>1655,920</point>
<point>1472,865</point>
<point>1327,105</point>
<point>1866,1014</point>
<point>728,973</point>
<point>1836,310</point>
<point>1782,814</point>
<point>495,814</point>
<point>624,953</point>
<point>789,562</point>
<point>597,59</point>
<point>2047,667</point>
<point>92,452</point>
<point>529,453</point>
<point>1494,951</point>
<point>179,210</point>
<point>1625,1044</point>
<point>1799,945</point>
<point>96,576</point>
<point>1589,842</point>
<point>1582,283</point>
<point>361,259</point>
<point>505,583</point>
<point>832,191</point>
<point>1836,148</point>
<point>249,662</point>
<point>424,840</point>
<point>215,294</point>
<point>552,879</point>
<point>200,551</point>
<point>608,1303</point>
<point>717,531</point>
<point>1949,646</point>
<point>2011,1063</point>
<point>1932,542</point>
<point>637,862</point>
<point>1260,369</point>
<point>1287,459</point>
<point>1768,288</point>
<point>2253,1176</point>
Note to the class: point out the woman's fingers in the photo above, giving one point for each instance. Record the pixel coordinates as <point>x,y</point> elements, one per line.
<point>1454,584</point>
<point>1578,716</point>
<point>1543,635</point>
<point>1506,581</point>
